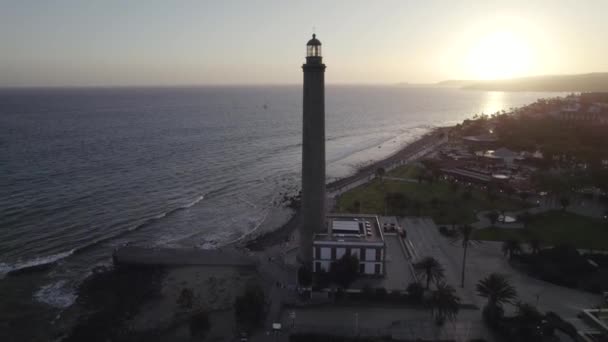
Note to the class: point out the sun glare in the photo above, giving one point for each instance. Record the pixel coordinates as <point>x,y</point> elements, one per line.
<point>500,54</point>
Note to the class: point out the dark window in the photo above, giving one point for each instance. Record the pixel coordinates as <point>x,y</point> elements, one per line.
<point>361,268</point>
<point>317,252</point>
<point>317,266</point>
<point>377,269</point>
<point>378,254</point>
<point>333,253</point>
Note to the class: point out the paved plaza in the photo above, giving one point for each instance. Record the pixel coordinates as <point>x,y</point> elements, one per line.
<point>487,258</point>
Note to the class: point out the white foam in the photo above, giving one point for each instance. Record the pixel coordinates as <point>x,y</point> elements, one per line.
<point>58,294</point>
<point>198,199</point>
<point>6,268</point>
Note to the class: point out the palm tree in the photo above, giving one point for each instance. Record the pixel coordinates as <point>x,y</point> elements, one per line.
<point>464,236</point>
<point>380,172</point>
<point>430,269</point>
<point>511,247</point>
<point>444,303</point>
<point>497,289</point>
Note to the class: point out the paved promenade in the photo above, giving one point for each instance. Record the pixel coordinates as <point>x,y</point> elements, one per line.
<point>409,324</point>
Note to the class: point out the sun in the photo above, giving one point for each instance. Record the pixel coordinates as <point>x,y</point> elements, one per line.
<point>499,55</point>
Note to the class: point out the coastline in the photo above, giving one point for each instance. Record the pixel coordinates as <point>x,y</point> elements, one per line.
<point>163,281</point>
<point>364,173</point>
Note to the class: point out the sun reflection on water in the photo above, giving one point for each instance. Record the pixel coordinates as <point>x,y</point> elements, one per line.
<point>494,101</point>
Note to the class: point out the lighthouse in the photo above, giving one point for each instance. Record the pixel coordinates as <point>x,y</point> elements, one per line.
<point>313,150</point>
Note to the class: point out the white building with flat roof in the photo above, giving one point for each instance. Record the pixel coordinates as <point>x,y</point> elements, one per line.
<point>354,234</point>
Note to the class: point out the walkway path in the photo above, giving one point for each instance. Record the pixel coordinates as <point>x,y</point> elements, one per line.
<point>401,323</point>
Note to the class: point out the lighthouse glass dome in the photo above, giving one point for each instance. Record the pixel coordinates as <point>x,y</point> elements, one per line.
<point>313,48</point>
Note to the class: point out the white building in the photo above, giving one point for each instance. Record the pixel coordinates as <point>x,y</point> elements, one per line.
<point>357,235</point>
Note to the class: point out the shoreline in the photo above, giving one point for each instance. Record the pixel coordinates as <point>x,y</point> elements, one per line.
<point>282,233</point>
<point>121,278</point>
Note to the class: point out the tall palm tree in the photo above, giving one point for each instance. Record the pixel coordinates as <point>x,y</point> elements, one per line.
<point>511,247</point>
<point>444,303</point>
<point>497,289</point>
<point>464,236</point>
<point>379,173</point>
<point>430,269</point>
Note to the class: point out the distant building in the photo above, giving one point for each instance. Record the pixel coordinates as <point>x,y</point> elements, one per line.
<point>480,141</point>
<point>596,113</point>
<point>357,235</point>
<point>502,154</point>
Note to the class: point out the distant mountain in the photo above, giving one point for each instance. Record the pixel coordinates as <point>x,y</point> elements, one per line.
<point>584,83</point>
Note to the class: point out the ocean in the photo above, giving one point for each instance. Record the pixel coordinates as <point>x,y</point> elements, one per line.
<point>84,171</point>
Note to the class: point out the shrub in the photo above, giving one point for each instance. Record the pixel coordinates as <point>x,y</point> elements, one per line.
<point>381,293</point>
<point>493,315</point>
<point>199,324</point>
<point>395,296</point>
<point>250,307</point>
<point>304,276</point>
<point>185,299</point>
<point>415,292</point>
<point>367,292</point>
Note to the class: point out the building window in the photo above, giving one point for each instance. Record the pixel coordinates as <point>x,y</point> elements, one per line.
<point>317,253</point>
<point>317,266</point>
<point>377,269</point>
<point>378,254</point>
<point>340,252</point>
<point>370,254</point>
<point>333,254</point>
<point>325,253</point>
<point>361,268</point>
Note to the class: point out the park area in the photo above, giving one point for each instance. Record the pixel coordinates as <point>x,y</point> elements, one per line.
<point>555,228</point>
<point>402,193</point>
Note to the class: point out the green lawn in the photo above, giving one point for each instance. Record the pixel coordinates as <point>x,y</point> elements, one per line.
<point>440,200</point>
<point>407,171</point>
<point>554,228</point>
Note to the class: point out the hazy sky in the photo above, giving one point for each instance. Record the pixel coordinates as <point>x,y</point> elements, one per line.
<point>149,42</point>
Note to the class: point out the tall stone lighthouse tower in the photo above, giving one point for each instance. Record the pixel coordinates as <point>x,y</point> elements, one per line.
<point>313,150</point>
